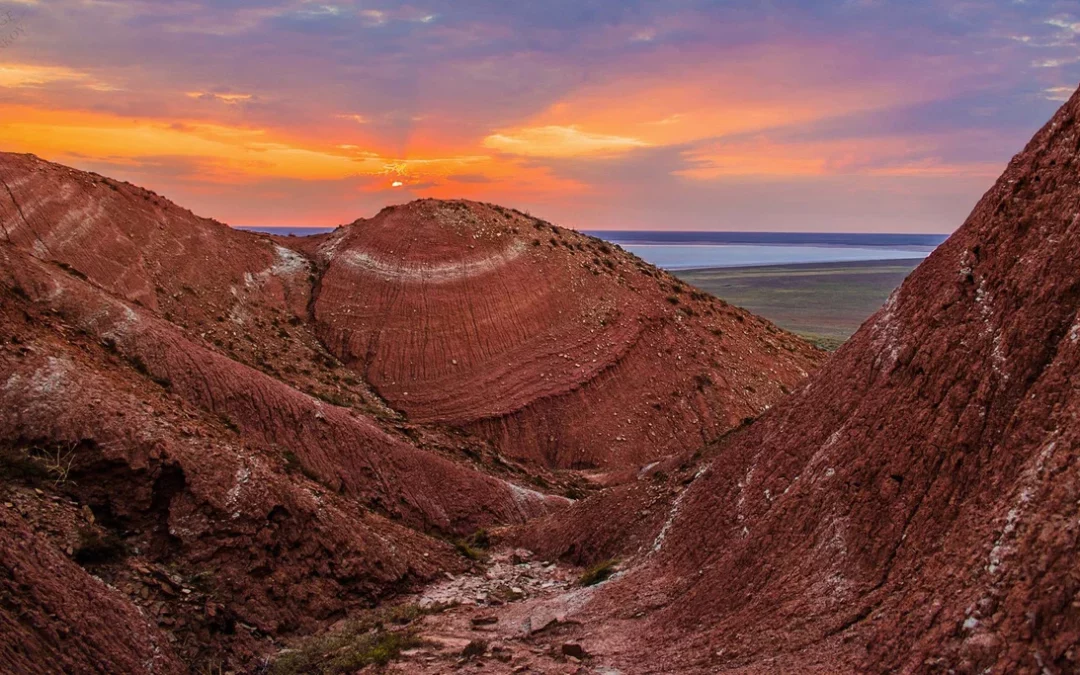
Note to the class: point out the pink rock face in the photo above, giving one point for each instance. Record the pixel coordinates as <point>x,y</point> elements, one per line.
<point>914,508</point>
<point>555,346</point>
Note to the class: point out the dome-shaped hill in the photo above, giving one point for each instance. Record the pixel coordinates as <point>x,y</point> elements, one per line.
<point>558,347</point>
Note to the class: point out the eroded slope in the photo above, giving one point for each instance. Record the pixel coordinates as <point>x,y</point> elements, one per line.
<point>557,347</point>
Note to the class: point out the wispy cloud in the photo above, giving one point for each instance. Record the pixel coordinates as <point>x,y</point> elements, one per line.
<point>226,98</point>
<point>1056,63</point>
<point>16,75</point>
<point>603,113</point>
<point>560,141</point>
<point>1066,24</point>
<point>1058,93</point>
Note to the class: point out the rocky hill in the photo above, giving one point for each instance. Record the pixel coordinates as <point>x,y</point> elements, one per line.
<point>214,441</point>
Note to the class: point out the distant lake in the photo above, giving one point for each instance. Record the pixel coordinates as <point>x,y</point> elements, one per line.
<point>698,250</point>
<point>286,231</point>
<point>697,256</point>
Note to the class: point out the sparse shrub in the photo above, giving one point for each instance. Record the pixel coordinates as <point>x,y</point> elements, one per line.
<point>375,637</point>
<point>139,365</point>
<point>292,462</point>
<point>574,492</point>
<point>229,423</point>
<point>333,398</point>
<point>56,459</point>
<point>480,539</point>
<point>468,550</point>
<point>673,299</point>
<point>474,648</point>
<point>346,653</point>
<point>599,572</point>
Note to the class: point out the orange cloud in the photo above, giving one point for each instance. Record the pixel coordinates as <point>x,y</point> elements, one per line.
<point>762,156</point>
<point>560,141</point>
<point>222,154</point>
<point>230,99</point>
<point>18,75</point>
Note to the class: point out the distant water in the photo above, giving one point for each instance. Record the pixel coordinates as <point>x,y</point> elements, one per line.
<point>286,231</point>
<point>693,250</point>
<point>697,256</point>
<point>623,237</point>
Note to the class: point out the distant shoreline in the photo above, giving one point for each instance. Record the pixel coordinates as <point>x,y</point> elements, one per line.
<point>792,268</point>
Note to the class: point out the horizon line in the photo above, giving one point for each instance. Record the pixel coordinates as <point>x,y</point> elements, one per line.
<point>588,230</point>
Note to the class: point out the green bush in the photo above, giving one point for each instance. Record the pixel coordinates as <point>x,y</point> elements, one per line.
<point>469,551</point>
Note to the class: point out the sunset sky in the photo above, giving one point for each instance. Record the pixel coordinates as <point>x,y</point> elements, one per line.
<point>852,115</point>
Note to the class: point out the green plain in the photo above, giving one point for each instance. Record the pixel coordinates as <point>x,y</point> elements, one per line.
<point>822,302</point>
